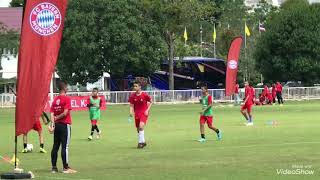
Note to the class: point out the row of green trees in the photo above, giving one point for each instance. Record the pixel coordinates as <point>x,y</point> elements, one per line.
<point>133,37</point>
<point>290,48</point>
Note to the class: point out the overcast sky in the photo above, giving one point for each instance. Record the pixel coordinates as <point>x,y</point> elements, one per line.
<point>4,3</point>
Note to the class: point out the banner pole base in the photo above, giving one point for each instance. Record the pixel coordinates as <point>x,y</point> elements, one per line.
<point>16,176</point>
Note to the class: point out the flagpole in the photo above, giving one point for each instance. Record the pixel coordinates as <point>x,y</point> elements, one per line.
<point>245,50</point>
<point>260,36</point>
<point>51,87</point>
<point>16,137</point>
<point>17,173</point>
<point>214,43</point>
<point>214,50</point>
<point>201,40</point>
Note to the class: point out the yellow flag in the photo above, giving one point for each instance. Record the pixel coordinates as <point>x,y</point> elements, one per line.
<point>185,34</point>
<point>201,67</point>
<point>214,35</point>
<point>246,29</point>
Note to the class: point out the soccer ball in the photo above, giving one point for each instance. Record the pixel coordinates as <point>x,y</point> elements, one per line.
<point>29,147</point>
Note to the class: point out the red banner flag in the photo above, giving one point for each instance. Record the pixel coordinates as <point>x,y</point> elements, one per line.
<point>232,65</point>
<point>41,34</point>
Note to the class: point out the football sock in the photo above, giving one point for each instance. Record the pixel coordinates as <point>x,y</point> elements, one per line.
<point>41,145</point>
<point>24,145</point>
<point>92,130</point>
<point>203,136</point>
<point>141,136</point>
<point>217,131</point>
<point>97,128</point>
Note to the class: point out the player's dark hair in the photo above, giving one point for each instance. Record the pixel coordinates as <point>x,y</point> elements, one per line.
<point>95,89</point>
<point>204,86</point>
<point>62,85</point>
<point>136,82</point>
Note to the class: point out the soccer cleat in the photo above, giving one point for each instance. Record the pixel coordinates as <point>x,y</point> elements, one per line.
<point>90,138</point>
<point>42,150</point>
<point>25,150</point>
<point>219,135</point>
<point>202,140</point>
<point>54,170</point>
<point>249,124</point>
<point>99,135</point>
<point>68,171</point>
<point>142,145</point>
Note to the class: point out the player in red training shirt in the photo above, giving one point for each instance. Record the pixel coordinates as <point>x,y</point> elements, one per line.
<point>268,96</point>
<point>140,104</point>
<point>274,93</point>
<point>253,93</point>
<point>248,103</point>
<point>265,91</point>
<point>61,127</point>
<point>279,93</point>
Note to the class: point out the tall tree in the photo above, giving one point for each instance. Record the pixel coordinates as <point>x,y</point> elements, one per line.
<point>173,16</point>
<point>16,3</point>
<point>118,37</point>
<point>289,49</point>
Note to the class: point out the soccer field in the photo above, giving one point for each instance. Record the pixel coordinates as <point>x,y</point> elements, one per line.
<point>173,152</point>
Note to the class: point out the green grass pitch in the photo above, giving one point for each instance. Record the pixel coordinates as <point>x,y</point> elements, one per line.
<point>245,153</point>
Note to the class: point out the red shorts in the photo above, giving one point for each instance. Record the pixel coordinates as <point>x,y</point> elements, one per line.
<point>206,119</point>
<point>94,122</point>
<point>37,126</point>
<point>140,118</point>
<point>247,107</point>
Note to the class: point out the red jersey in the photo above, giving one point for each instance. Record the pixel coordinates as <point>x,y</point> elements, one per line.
<point>253,93</point>
<point>236,89</point>
<point>140,102</point>
<point>278,87</point>
<point>248,94</point>
<point>270,97</point>
<point>274,91</point>
<point>266,91</point>
<point>59,104</point>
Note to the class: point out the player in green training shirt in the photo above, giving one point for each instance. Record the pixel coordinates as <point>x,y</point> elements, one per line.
<point>206,115</point>
<point>94,112</point>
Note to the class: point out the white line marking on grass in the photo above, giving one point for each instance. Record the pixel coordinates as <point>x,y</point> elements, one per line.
<point>59,178</point>
<point>245,146</point>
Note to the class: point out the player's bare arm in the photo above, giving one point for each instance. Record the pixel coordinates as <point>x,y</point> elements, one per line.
<point>62,115</point>
<point>131,110</point>
<point>149,107</point>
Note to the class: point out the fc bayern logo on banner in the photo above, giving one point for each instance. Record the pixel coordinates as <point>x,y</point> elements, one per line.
<point>45,19</point>
<point>233,64</point>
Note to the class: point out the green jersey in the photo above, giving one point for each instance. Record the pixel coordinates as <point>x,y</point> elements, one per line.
<point>206,101</point>
<point>94,109</point>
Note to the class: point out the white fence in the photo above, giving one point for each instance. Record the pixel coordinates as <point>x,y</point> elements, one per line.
<point>182,96</point>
